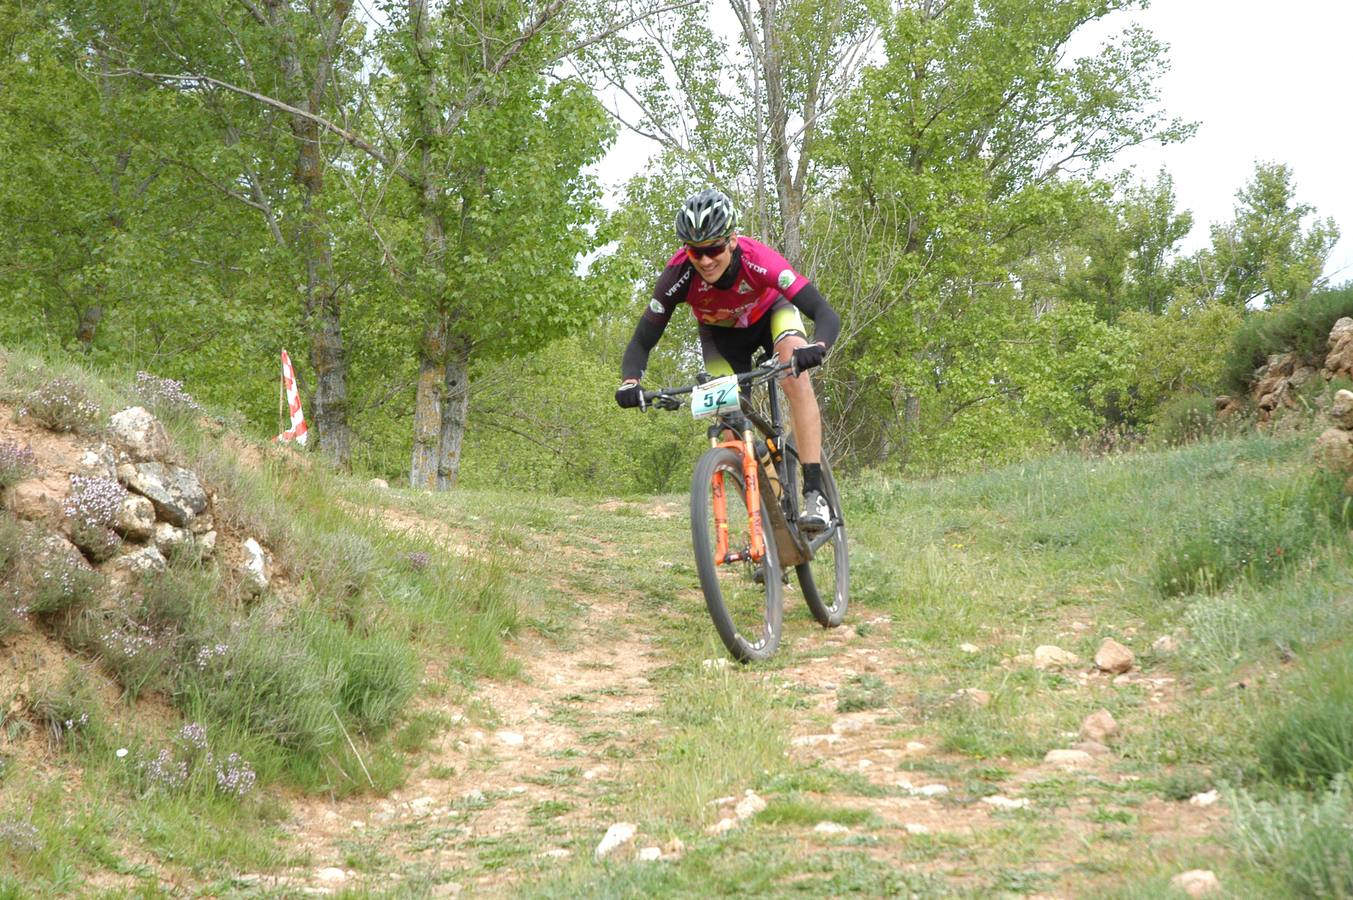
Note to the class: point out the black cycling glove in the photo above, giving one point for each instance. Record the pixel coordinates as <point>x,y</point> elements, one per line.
<point>809,356</point>
<point>630,396</point>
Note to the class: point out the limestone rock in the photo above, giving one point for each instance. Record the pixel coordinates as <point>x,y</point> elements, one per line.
<point>33,500</point>
<point>723,826</point>
<point>1049,656</point>
<point>830,828</point>
<point>1113,657</point>
<point>1341,411</point>
<point>1069,759</point>
<point>1100,726</point>
<point>1000,802</point>
<point>206,544</point>
<point>254,573</point>
<point>1165,645</point>
<point>1334,450</point>
<point>1196,882</point>
<point>140,434</point>
<point>1339,358</point>
<point>749,805</point>
<point>171,540</point>
<point>176,492</point>
<point>136,520</point>
<point>380,484</point>
<point>971,696</point>
<point>649,854</point>
<point>617,837</point>
<point>139,562</point>
<point>99,462</point>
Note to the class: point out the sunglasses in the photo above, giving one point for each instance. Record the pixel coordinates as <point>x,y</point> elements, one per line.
<point>707,250</point>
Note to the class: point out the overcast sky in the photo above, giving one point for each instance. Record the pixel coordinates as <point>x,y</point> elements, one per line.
<point>1264,80</point>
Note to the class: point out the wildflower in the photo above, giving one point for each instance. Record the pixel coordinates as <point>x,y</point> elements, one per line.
<point>95,502</point>
<point>121,752</point>
<point>194,735</point>
<point>235,776</point>
<point>165,391</point>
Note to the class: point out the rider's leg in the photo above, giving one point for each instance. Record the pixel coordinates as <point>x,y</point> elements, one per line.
<point>802,403</point>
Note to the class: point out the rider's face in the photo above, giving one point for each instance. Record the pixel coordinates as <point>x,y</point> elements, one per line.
<point>712,267</point>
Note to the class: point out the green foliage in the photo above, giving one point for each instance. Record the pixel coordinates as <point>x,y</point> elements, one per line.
<point>377,677</point>
<point>62,585</point>
<point>1256,536</point>
<point>68,710</point>
<point>1302,327</point>
<point>1308,741</point>
<point>862,692</point>
<point>1180,351</point>
<point>16,463</point>
<point>1298,843</point>
<point>1183,420</point>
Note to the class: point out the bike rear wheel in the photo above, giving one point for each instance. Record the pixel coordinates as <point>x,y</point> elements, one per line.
<point>747,610</point>
<point>825,579</point>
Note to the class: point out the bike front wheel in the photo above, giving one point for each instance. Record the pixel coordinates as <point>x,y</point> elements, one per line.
<point>825,579</point>
<point>745,598</point>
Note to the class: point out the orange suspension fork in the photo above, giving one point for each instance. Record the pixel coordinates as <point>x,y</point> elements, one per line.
<point>751,479</point>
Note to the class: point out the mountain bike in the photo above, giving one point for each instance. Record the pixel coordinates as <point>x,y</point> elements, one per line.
<point>745,510</point>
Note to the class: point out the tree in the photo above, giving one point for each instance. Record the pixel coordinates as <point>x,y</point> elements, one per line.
<point>1264,256</point>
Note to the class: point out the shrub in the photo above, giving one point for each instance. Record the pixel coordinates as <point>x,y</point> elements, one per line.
<point>16,463</point>
<point>1302,327</point>
<point>62,585</point>
<point>1301,841</point>
<point>1309,742</point>
<point>139,657</point>
<point>93,506</point>
<point>68,709</point>
<point>1184,420</point>
<point>164,396</point>
<point>265,682</point>
<point>379,675</point>
<point>11,546</point>
<point>61,405</point>
<point>1256,536</point>
<point>190,766</point>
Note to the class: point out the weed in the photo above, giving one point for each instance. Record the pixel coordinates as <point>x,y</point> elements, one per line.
<point>796,810</point>
<point>68,710</point>
<point>862,692</point>
<point>1308,741</point>
<point>61,405</point>
<point>62,585</point>
<point>376,675</point>
<point>16,463</point>
<point>1301,841</point>
<point>1184,420</point>
<point>164,396</point>
<point>137,655</point>
<point>419,731</point>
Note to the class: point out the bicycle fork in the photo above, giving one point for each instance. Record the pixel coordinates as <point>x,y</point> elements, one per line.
<point>753,491</point>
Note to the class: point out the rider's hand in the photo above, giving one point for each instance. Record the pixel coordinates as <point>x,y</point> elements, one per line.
<point>809,356</point>
<point>630,395</point>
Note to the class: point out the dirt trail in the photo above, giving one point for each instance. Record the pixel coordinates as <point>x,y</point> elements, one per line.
<point>530,769</point>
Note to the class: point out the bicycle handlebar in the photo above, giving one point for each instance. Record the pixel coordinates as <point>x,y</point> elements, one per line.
<point>666,398</point>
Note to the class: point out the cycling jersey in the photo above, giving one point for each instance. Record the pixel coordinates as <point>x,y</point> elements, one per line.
<point>756,279</point>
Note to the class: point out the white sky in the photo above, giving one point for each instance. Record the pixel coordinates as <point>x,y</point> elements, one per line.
<point>1265,80</point>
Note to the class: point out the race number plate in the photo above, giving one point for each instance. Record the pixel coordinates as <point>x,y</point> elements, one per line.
<point>714,397</point>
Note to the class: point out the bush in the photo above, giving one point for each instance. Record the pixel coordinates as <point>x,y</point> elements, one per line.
<point>1184,420</point>
<point>68,710</point>
<point>62,585</point>
<point>1308,743</point>
<point>1299,841</point>
<point>378,675</point>
<point>1302,327</point>
<point>61,405</point>
<point>16,463</point>
<point>1257,536</point>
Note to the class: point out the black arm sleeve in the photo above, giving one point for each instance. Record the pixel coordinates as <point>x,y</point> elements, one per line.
<point>646,335</point>
<point>827,324</point>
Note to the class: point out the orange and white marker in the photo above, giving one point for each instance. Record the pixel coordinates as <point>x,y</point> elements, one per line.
<point>297,432</point>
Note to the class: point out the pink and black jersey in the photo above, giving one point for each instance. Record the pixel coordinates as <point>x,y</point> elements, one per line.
<point>756,277</point>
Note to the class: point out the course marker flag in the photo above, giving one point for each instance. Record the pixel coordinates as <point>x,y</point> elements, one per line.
<point>292,399</point>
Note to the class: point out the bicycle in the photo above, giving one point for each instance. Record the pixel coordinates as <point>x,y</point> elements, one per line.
<point>742,564</point>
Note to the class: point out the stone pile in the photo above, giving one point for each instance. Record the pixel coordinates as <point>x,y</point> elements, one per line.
<point>1276,382</point>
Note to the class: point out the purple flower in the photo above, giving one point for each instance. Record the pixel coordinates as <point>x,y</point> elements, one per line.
<point>235,776</point>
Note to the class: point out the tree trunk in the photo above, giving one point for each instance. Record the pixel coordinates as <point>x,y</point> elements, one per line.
<point>427,410</point>
<point>455,408</point>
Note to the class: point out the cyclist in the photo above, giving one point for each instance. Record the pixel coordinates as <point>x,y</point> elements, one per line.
<point>744,295</point>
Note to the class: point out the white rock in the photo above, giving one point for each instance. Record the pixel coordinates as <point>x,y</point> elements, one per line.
<point>1000,802</point>
<point>1207,798</point>
<point>906,785</point>
<point>847,726</point>
<point>1165,644</point>
<point>916,828</point>
<point>170,539</point>
<point>830,828</point>
<point>510,738</point>
<point>255,571</point>
<point>972,696</point>
<point>650,854</point>
<point>1048,656</point>
<point>136,519</point>
<point>932,790</point>
<point>474,795</point>
<point>379,484</point>
<point>970,648</point>
<point>421,806</point>
<point>595,773</point>
<point>331,875</point>
<point>621,834</point>
<point>140,433</point>
<point>1069,759</point>
<point>915,747</point>
<point>1196,882</point>
<point>749,805</point>
<point>557,853</point>
<point>864,764</point>
<point>723,826</point>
